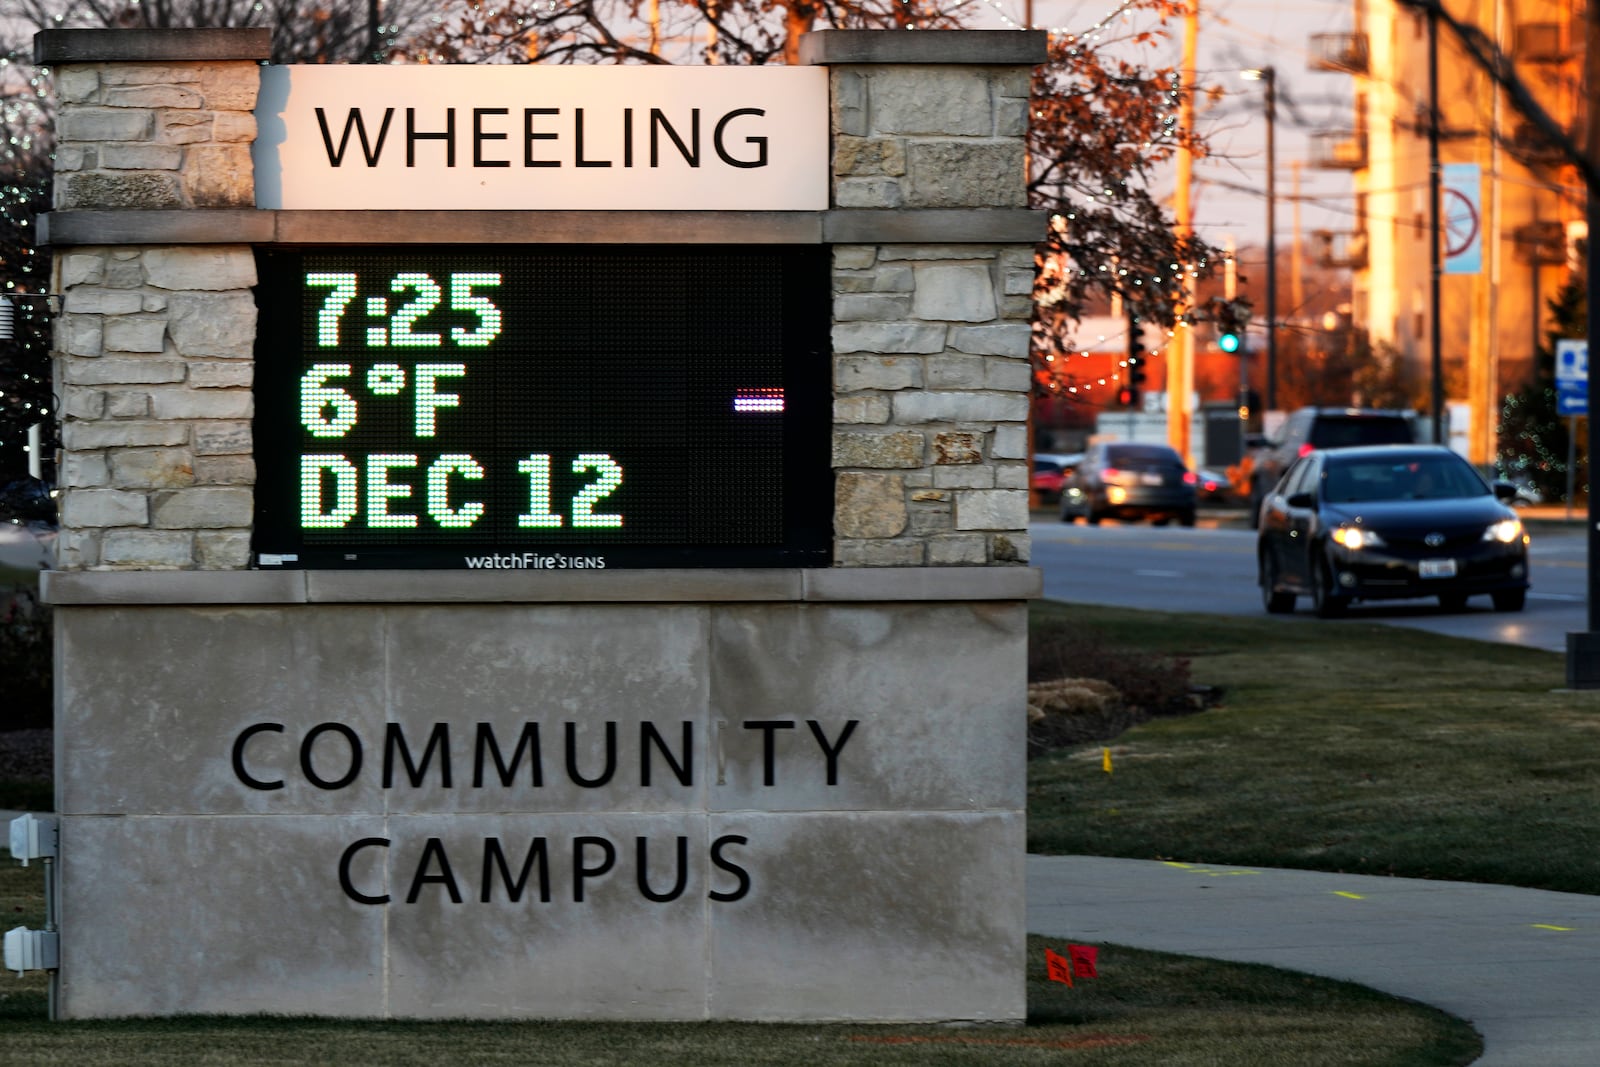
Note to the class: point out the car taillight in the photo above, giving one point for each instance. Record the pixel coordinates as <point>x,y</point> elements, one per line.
<point>1305,448</point>
<point>1189,478</point>
<point>1111,474</point>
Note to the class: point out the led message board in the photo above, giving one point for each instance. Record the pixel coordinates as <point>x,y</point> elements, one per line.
<point>543,408</point>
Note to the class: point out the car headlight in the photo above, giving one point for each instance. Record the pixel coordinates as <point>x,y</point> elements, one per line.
<point>1505,531</point>
<point>1355,538</point>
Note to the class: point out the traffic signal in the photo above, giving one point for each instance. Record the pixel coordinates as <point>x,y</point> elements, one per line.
<point>1128,395</point>
<point>1232,318</point>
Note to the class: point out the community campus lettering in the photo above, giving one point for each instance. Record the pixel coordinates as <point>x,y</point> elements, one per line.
<point>590,856</point>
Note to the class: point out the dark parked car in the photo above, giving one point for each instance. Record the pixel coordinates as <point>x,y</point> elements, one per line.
<point>1129,481</point>
<point>1050,472</point>
<point>1322,427</point>
<point>1213,486</point>
<point>1389,522</point>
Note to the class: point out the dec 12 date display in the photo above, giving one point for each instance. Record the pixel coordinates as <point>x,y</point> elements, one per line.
<point>331,485</point>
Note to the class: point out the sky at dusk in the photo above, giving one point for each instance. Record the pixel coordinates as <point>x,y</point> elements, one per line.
<point>1230,186</point>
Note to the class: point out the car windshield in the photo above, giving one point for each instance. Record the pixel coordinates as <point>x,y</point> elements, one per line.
<point>1358,430</point>
<point>1142,456</point>
<point>1414,478</point>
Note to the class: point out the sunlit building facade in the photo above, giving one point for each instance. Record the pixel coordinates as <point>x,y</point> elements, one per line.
<point>1521,219</point>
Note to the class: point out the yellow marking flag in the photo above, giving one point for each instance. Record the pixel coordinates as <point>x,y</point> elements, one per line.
<point>1351,896</point>
<point>1105,760</point>
<point>1547,926</point>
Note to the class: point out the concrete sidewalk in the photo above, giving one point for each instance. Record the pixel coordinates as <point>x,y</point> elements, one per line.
<point>1521,965</point>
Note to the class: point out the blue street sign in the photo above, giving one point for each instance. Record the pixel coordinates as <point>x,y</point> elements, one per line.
<point>1572,397</point>
<point>1572,361</point>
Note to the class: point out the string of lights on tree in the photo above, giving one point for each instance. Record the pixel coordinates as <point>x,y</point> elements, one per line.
<point>1056,376</point>
<point>25,397</point>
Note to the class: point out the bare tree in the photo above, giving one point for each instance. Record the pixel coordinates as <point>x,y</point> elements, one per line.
<point>1103,129</point>
<point>738,32</point>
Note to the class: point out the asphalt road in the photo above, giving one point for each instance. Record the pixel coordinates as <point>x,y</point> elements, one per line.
<point>1212,568</point>
<point>24,547</point>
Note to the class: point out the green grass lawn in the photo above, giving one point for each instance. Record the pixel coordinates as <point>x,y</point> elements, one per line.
<point>1349,747</point>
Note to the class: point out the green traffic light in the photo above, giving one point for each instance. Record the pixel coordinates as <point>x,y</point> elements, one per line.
<point>1228,342</point>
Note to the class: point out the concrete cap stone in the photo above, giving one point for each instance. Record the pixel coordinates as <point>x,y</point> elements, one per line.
<point>985,47</point>
<point>55,47</point>
<point>945,226</point>
<point>707,585</point>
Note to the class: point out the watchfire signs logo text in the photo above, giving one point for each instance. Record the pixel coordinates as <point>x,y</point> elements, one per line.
<point>543,138</point>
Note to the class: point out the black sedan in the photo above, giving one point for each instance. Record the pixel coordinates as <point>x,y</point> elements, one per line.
<point>1122,480</point>
<point>1389,522</point>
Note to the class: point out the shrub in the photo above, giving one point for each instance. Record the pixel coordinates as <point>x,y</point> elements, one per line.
<point>1151,683</point>
<point>1081,689</point>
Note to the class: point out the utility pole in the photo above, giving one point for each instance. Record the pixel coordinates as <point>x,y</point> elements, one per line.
<point>1297,286</point>
<point>1270,76</point>
<point>1180,350</point>
<point>1583,649</point>
<point>1435,257</point>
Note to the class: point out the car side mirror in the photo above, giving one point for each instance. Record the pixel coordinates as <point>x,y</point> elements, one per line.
<point>1505,491</point>
<point>1302,500</point>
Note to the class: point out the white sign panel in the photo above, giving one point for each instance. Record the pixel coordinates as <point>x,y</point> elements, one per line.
<point>1572,361</point>
<point>532,137</point>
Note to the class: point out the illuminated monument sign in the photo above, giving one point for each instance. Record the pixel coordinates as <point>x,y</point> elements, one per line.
<point>543,408</point>
<point>356,669</point>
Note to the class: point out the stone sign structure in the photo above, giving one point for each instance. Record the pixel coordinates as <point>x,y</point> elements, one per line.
<point>711,793</point>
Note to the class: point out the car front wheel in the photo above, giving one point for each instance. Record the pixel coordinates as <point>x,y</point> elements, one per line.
<point>1510,600</point>
<point>1275,601</point>
<point>1328,604</point>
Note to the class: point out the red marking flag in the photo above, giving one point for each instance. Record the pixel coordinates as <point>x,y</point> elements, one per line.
<point>1057,967</point>
<point>1084,958</point>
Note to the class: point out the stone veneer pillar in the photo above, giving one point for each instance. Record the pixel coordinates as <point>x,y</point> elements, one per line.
<point>154,344</point>
<point>932,378</point>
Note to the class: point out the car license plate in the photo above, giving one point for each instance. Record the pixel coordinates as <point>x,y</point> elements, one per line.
<point>1437,568</point>
<point>1150,478</point>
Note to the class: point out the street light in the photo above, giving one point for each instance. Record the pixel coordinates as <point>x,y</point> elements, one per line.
<point>1269,75</point>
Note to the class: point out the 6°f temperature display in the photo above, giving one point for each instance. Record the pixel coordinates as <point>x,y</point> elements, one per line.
<point>543,408</point>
